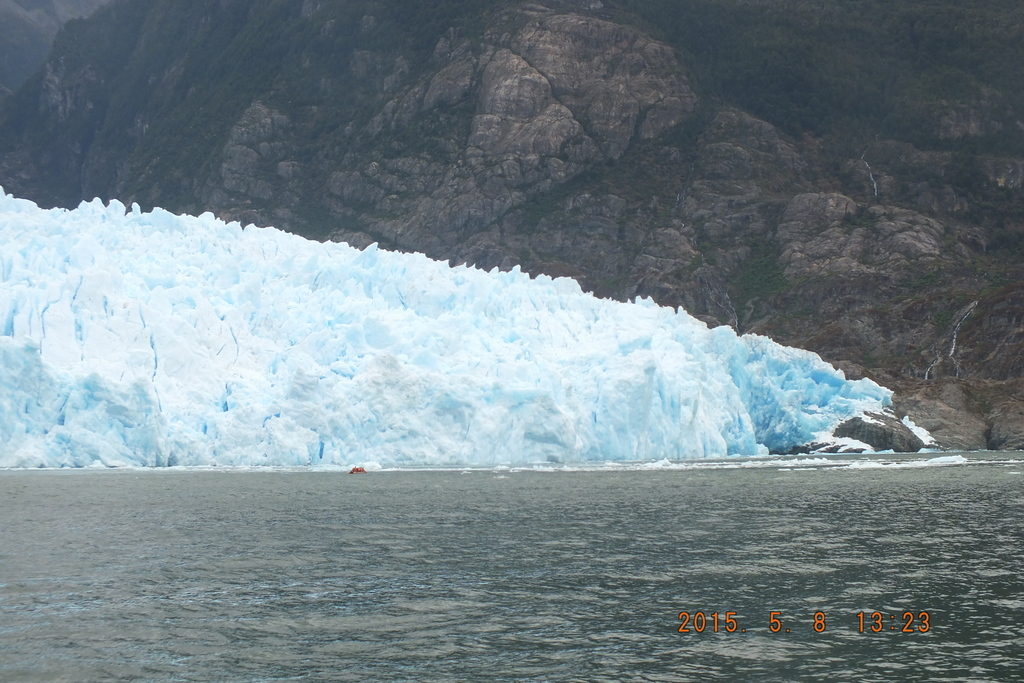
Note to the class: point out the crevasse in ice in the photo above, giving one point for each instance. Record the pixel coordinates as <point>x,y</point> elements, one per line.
<point>130,338</point>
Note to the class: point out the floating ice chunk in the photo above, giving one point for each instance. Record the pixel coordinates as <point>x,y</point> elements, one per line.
<point>911,463</point>
<point>131,338</point>
<point>947,460</point>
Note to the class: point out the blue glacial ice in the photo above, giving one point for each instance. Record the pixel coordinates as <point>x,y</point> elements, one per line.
<point>131,338</point>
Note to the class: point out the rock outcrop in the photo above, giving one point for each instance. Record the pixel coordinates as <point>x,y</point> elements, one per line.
<point>881,432</point>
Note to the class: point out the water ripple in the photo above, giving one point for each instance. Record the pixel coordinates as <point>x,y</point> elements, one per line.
<point>560,576</point>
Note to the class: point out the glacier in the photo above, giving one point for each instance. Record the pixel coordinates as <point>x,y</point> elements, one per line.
<point>131,338</point>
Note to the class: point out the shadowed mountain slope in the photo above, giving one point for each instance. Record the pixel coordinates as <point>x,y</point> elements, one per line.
<point>27,28</point>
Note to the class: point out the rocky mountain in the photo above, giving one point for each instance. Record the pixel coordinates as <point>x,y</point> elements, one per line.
<point>598,141</point>
<point>27,28</point>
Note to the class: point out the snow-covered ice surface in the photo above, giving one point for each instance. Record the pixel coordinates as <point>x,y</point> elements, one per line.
<point>130,338</point>
<point>919,432</point>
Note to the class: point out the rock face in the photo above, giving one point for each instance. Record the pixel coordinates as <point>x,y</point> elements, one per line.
<point>559,140</point>
<point>497,122</point>
<point>1005,430</point>
<point>562,94</point>
<point>881,432</point>
<point>945,408</point>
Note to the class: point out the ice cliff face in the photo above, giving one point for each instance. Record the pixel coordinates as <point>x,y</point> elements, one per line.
<point>152,339</point>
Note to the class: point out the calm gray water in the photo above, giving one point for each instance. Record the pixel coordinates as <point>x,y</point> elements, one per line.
<point>511,576</point>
